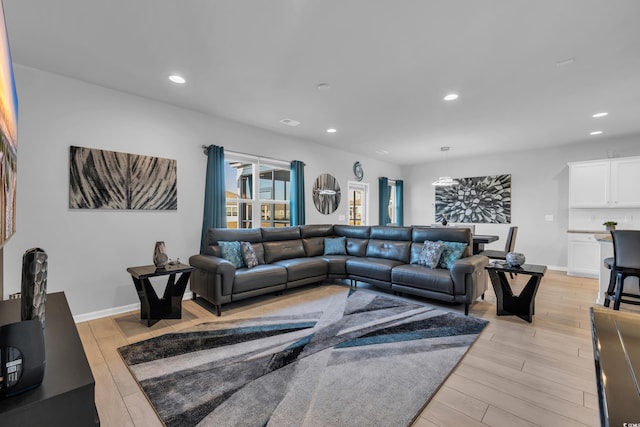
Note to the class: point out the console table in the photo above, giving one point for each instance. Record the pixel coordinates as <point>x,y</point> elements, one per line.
<point>152,308</point>
<point>66,395</point>
<point>522,305</point>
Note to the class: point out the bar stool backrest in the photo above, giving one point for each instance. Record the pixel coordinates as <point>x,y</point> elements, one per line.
<point>626,248</point>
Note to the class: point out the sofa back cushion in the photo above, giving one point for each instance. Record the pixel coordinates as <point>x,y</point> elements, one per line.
<point>283,249</point>
<point>354,231</point>
<point>275,234</point>
<point>316,230</point>
<point>357,247</point>
<point>313,246</point>
<point>384,232</point>
<point>252,235</point>
<point>313,236</point>
<point>389,249</point>
<point>446,234</point>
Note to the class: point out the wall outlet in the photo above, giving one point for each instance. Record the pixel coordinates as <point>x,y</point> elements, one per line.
<point>341,217</point>
<point>548,217</point>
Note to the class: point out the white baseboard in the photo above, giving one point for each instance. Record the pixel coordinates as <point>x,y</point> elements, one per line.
<point>557,268</point>
<point>115,310</point>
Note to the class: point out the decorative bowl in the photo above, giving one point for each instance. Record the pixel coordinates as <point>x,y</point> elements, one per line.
<point>515,259</point>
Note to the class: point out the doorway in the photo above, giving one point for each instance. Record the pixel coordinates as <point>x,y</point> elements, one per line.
<point>358,203</point>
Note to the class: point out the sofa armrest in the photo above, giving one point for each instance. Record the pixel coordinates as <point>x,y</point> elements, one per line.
<point>216,266</point>
<point>465,273</point>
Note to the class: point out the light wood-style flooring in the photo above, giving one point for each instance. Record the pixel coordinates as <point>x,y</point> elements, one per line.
<point>516,373</point>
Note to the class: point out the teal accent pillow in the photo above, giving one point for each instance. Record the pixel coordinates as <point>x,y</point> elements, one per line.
<point>451,252</point>
<point>430,253</point>
<point>335,246</point>
<point>232,252</point>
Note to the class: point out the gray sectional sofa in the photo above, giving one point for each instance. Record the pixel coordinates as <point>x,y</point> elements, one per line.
<point>384,256</point>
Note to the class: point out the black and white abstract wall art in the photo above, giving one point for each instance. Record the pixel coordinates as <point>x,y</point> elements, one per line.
<point>326,193</point>
<point>101,179</point>
<point>478,200</point>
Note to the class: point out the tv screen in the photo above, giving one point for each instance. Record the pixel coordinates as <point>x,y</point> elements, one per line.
<point>8,137</point>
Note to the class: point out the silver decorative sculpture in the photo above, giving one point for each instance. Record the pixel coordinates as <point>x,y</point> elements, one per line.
<point>160,257</point>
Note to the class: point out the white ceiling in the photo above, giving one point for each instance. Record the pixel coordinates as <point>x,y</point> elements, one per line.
<point>389,63</point>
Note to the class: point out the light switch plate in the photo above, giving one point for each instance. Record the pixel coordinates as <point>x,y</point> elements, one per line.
<point>548,217</point>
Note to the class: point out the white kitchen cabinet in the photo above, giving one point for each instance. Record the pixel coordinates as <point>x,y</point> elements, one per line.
<point>611,183</point>
<point>584,255</point>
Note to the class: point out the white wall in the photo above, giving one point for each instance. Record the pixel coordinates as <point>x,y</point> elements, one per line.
<point>539,187</point>
<point>89,250</point>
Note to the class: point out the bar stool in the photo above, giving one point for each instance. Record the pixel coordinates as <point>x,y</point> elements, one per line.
<point>626,263</point>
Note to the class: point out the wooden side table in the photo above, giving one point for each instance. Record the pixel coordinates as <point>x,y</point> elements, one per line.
<point>522,305</point>
<point>152,308</point>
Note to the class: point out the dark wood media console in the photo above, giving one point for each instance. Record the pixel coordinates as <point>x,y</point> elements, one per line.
<point>66,396</point>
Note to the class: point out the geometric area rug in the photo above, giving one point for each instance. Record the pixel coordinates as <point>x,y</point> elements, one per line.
<point>356,358</point>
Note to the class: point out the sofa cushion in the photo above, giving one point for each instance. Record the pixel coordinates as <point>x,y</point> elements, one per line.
<point>274,234</point>
<point>313,246</point>
<point>262,276</point>
<point>388,249</point>
<point>385,232</point>
<point>232,252</point>
<point>355,231</point>
<point>316,230</point>
<point>337,264</point>
<point>356,247</point>
<point>303,268</point>
<point>430,254</point>
<point>335,246</point>
<point>421,277</point>
<point>249,255</point>
<point>451,253</point>
<point>447,234</point>
<point>374,268</point>
<point>286,249</point>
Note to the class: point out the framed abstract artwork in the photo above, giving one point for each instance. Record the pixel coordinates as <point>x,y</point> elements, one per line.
<point>101,179</point>
<point>482,199</point>
<point>8,137</point>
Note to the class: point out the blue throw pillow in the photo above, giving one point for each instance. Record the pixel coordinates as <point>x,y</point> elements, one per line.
<point>430,253</point>
<point>451,253</point>
<point>232,252</point>
<point>335,246</point>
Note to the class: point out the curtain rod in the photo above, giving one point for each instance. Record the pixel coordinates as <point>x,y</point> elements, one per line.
<point>205,148</point>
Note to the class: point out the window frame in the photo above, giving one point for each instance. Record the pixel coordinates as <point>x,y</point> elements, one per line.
<point>253,205</point>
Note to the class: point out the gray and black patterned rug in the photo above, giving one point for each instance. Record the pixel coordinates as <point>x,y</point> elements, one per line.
<point>356,358</point>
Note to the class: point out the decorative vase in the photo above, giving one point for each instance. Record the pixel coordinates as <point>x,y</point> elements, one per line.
<point>160,257</point>
<point>34,285</point>
<point>515,259</point>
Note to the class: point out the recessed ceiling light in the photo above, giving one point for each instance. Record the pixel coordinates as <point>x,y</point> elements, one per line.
<point>331,130</point>
<point>602,114</point>
<point>177,79</point>
<point>382,152</point>
<point>451,97</point>
<point>289,122</point>
<point>323,86</point>
<point>596,132</point>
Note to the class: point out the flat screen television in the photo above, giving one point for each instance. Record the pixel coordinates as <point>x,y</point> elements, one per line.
<point>8,137</point>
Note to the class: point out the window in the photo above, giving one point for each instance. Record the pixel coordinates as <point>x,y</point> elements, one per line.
<point>264,205</point>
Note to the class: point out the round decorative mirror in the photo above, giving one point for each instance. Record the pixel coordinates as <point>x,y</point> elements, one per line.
<point>326,193</point>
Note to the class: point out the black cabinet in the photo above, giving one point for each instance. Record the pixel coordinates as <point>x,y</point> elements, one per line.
<point>66,395</point>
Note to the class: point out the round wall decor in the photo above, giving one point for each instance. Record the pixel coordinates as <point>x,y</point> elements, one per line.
<point>326,193</point>
<point>358,172</point>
